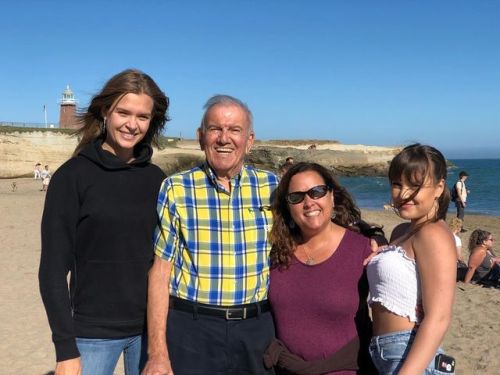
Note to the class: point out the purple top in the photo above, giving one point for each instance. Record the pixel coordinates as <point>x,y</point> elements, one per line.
<point>320,308</point>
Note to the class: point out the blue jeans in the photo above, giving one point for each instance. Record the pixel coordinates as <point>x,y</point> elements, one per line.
<point>460,210</point>
<point>100,356</point>
<point>389,351</point>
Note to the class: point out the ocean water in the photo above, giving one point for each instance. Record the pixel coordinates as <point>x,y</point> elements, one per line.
<point>483,183</point>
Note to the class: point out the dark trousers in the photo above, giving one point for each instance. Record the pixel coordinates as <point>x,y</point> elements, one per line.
<point>201,344</point>
<point>460,210</point>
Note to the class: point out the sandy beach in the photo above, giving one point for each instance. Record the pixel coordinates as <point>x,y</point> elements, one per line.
<point>26,347</point>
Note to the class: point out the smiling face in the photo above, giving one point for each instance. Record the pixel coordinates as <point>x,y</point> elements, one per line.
<point>127,122</point>
<point>311,215</point>
<point>416,206</point>
<point>226,138</point>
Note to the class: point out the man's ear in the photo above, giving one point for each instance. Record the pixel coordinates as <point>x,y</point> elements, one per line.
<point>200,138</point>
<point>250,140</point>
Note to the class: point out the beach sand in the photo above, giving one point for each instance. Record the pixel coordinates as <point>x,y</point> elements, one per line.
<point>26,347</point>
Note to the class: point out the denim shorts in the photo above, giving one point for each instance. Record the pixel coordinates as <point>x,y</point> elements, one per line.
<point>389,351</point>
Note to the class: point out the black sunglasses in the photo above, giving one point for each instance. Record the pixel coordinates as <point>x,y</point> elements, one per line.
<point>315,192</point>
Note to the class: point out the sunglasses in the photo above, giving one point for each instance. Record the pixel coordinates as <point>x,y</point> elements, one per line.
<point>315,192</point>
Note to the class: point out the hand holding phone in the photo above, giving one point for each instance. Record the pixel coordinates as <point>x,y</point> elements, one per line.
<point>445,363</point>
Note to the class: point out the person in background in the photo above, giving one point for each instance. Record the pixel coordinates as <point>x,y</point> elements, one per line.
<point>461,193</point>
<point>456,228</point>
<point>45,175</point>
<point>483,265</point>
<point>97,225</point>
<point>37,171</point>
<point>318,289</point>
<point>285,167</point>
<point>412,281</point>
<point>207,304</point>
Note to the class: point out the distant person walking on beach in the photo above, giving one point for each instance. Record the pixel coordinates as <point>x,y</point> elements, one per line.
<point>412,281</point>
<point>37,171</point>
<point>45,175</point>
<point>98,224</point>
<point>461,195</point>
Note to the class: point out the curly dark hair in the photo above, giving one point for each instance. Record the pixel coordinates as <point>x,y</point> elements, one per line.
<point>284,238</point>
<point>130,81</point>
<point>477,237</point>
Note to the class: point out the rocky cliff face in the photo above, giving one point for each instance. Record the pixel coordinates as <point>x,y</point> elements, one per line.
<point>20,151</point>
<point>354,162</point>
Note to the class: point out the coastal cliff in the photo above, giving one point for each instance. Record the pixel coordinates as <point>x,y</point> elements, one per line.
<point>21,150</point>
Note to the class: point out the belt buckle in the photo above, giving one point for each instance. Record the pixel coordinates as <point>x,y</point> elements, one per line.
<point>230,312</point>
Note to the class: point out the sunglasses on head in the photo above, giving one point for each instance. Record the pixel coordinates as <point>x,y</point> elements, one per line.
<point>315,192</point>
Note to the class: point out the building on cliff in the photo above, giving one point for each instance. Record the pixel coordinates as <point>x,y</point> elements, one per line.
<point>67,111</point>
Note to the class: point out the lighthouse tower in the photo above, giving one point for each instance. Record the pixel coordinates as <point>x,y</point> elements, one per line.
<point>67,112</point>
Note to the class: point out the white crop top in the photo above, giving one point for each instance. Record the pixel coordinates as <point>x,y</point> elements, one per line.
<point>394,282</point>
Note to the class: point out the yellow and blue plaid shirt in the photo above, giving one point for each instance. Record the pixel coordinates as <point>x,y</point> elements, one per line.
<point>216,240</point>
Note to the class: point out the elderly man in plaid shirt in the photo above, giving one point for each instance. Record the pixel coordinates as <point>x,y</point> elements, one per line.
<point>207,309</point>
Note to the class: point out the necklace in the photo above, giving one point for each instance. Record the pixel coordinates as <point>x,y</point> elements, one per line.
<point>320,249</point>
<point>310,259</point>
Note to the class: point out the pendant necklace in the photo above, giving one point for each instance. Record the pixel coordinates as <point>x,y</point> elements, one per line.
<point>310,259</point>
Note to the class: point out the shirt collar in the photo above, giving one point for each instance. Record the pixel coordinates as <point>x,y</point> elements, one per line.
<point>235,180</point>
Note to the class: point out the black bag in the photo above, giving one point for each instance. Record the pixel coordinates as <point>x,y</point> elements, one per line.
<point>454,193</point>
<point>461,270</point>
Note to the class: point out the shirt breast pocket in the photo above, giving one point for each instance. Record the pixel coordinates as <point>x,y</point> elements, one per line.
<point>256,222</point>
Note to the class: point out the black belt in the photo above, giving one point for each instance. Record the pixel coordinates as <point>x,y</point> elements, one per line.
<point>238,312</point>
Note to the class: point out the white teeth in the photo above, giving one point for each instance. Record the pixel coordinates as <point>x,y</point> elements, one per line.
<point>128,135</point>
<point>311,213</point>
<point>223,150</point>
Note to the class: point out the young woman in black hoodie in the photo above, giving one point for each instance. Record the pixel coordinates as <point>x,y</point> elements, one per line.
<point>97,226</point>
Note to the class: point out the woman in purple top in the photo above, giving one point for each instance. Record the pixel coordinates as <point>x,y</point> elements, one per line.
<point>318,287</point>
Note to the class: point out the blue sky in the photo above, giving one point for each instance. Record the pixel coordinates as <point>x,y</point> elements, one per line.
<point>369,72</point>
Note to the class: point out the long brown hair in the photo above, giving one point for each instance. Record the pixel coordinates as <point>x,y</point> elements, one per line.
<point>130,81</point>
<point>413,164</point>
<point>284,236</point>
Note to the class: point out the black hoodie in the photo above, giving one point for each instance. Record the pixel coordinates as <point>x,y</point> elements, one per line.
<point>98,223</point>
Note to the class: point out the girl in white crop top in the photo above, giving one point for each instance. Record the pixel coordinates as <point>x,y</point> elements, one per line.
<point>412,281</point>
